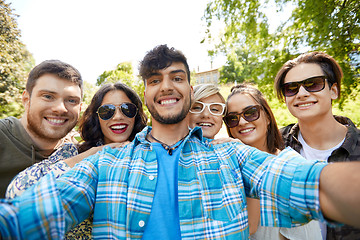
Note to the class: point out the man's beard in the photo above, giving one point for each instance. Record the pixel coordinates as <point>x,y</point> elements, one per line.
<point>170,119</point>
<point>34,127</point>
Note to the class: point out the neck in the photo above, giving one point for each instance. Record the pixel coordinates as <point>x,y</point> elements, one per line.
<point>169,133</point>
<point>323,134</point>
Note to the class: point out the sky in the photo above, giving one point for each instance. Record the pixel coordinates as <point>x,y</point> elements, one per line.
<point>95,36</point>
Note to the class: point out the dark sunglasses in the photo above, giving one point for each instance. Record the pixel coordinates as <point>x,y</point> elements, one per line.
<point>107,111</point>
<point>250,114</point>
<point>313,84</point>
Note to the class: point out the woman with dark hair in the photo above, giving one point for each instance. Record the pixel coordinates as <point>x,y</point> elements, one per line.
<point>90,125</point>
<point>114,116</point>
<point>249,118</point>
<point>254,124</point>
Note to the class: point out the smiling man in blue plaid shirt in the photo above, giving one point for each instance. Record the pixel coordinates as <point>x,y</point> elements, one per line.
<point>171,183</point>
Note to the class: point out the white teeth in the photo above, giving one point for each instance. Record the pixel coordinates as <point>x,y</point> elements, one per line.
<point>246,130</point>
<point>305,105</point>
<point>118,127</point>
<point>205,124</point>
<point>55,120</point>
<point>169,101</point>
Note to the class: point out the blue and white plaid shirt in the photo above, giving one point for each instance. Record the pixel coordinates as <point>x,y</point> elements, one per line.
<point>118,185</point>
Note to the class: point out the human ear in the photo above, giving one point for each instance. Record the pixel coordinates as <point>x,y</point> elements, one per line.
<point>25,98</point>
<point>334,93</point>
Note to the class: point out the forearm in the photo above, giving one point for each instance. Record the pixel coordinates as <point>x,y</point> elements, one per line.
<point>78,158</point>
<point>340,192</point>
<point>254,214</point>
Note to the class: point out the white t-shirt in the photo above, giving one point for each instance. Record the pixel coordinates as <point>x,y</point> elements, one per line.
<point>312,154</point>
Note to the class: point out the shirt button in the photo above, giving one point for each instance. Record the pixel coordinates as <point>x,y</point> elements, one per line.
<point>141,223</point>
<point>151,177</point>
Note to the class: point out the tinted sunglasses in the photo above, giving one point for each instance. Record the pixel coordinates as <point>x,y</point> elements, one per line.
<point>250,114</point>
<point>107,111</point>
<point>214,108</point>
<point>313,84</point>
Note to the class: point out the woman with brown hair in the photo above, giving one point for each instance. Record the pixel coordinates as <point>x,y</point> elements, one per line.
<point>249,118</point>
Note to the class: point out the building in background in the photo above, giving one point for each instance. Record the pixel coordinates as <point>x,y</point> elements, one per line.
<point>211,76</point>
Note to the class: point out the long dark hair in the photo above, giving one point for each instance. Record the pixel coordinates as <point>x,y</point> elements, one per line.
<point>89,124</point>
<point>274,140</point>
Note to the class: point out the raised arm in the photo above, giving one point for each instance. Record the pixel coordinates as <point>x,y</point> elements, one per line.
<point>340,192</point>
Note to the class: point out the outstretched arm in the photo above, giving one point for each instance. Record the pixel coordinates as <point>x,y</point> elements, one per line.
<point>340,192</point>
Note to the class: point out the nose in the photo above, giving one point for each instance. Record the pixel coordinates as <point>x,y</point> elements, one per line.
<point>302,92</point>
<point>167,85</point>
<point>59,107</point>
<point>206,112</point>
<point>118,114</point>
<point>242,121</point>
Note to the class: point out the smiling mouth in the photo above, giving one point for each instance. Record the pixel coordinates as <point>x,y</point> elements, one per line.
<point>305,104</point>
<point>118,127</point>
<point>56,120</point>
<point>246,130</point>
<point>168,101</point>
<point>205,124</point>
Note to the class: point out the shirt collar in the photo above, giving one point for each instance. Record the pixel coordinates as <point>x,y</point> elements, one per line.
<point>141,136</point>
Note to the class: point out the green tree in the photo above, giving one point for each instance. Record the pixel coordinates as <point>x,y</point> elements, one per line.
<point>123,73</point>
<point>326,25</point>
<point>15,63</point>
<point>89,91</point>
<point>239,67</point>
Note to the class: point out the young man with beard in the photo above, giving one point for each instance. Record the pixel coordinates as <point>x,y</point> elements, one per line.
<point>309,84</point>
<point>52,101</point>
<point>171,183</point>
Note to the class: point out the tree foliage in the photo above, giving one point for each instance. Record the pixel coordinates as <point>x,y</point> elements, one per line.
<point>239,67</point>
<point>15,63</point>
<point>123,73</point>
<point>332,26</point>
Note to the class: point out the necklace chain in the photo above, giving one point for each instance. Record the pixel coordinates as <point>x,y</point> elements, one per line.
<point>169,148</point>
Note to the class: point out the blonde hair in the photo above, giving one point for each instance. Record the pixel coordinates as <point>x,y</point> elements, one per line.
<point>206,90</point>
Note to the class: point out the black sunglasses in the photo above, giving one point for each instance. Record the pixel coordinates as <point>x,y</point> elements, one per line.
<point>107,111</point>
<point>313,84</point>
<point>250,114</point>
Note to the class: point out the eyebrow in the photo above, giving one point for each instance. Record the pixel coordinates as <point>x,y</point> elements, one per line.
<point>178,71</point>
<point>172,72</point>
<point>41,91</point>
<point>47,91</point>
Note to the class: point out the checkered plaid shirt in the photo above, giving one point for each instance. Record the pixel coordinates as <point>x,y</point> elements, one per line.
<point>213,182</point>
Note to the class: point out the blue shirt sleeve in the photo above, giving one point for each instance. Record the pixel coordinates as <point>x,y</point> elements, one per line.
<point>56,204</point>
<point>288,188</point>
